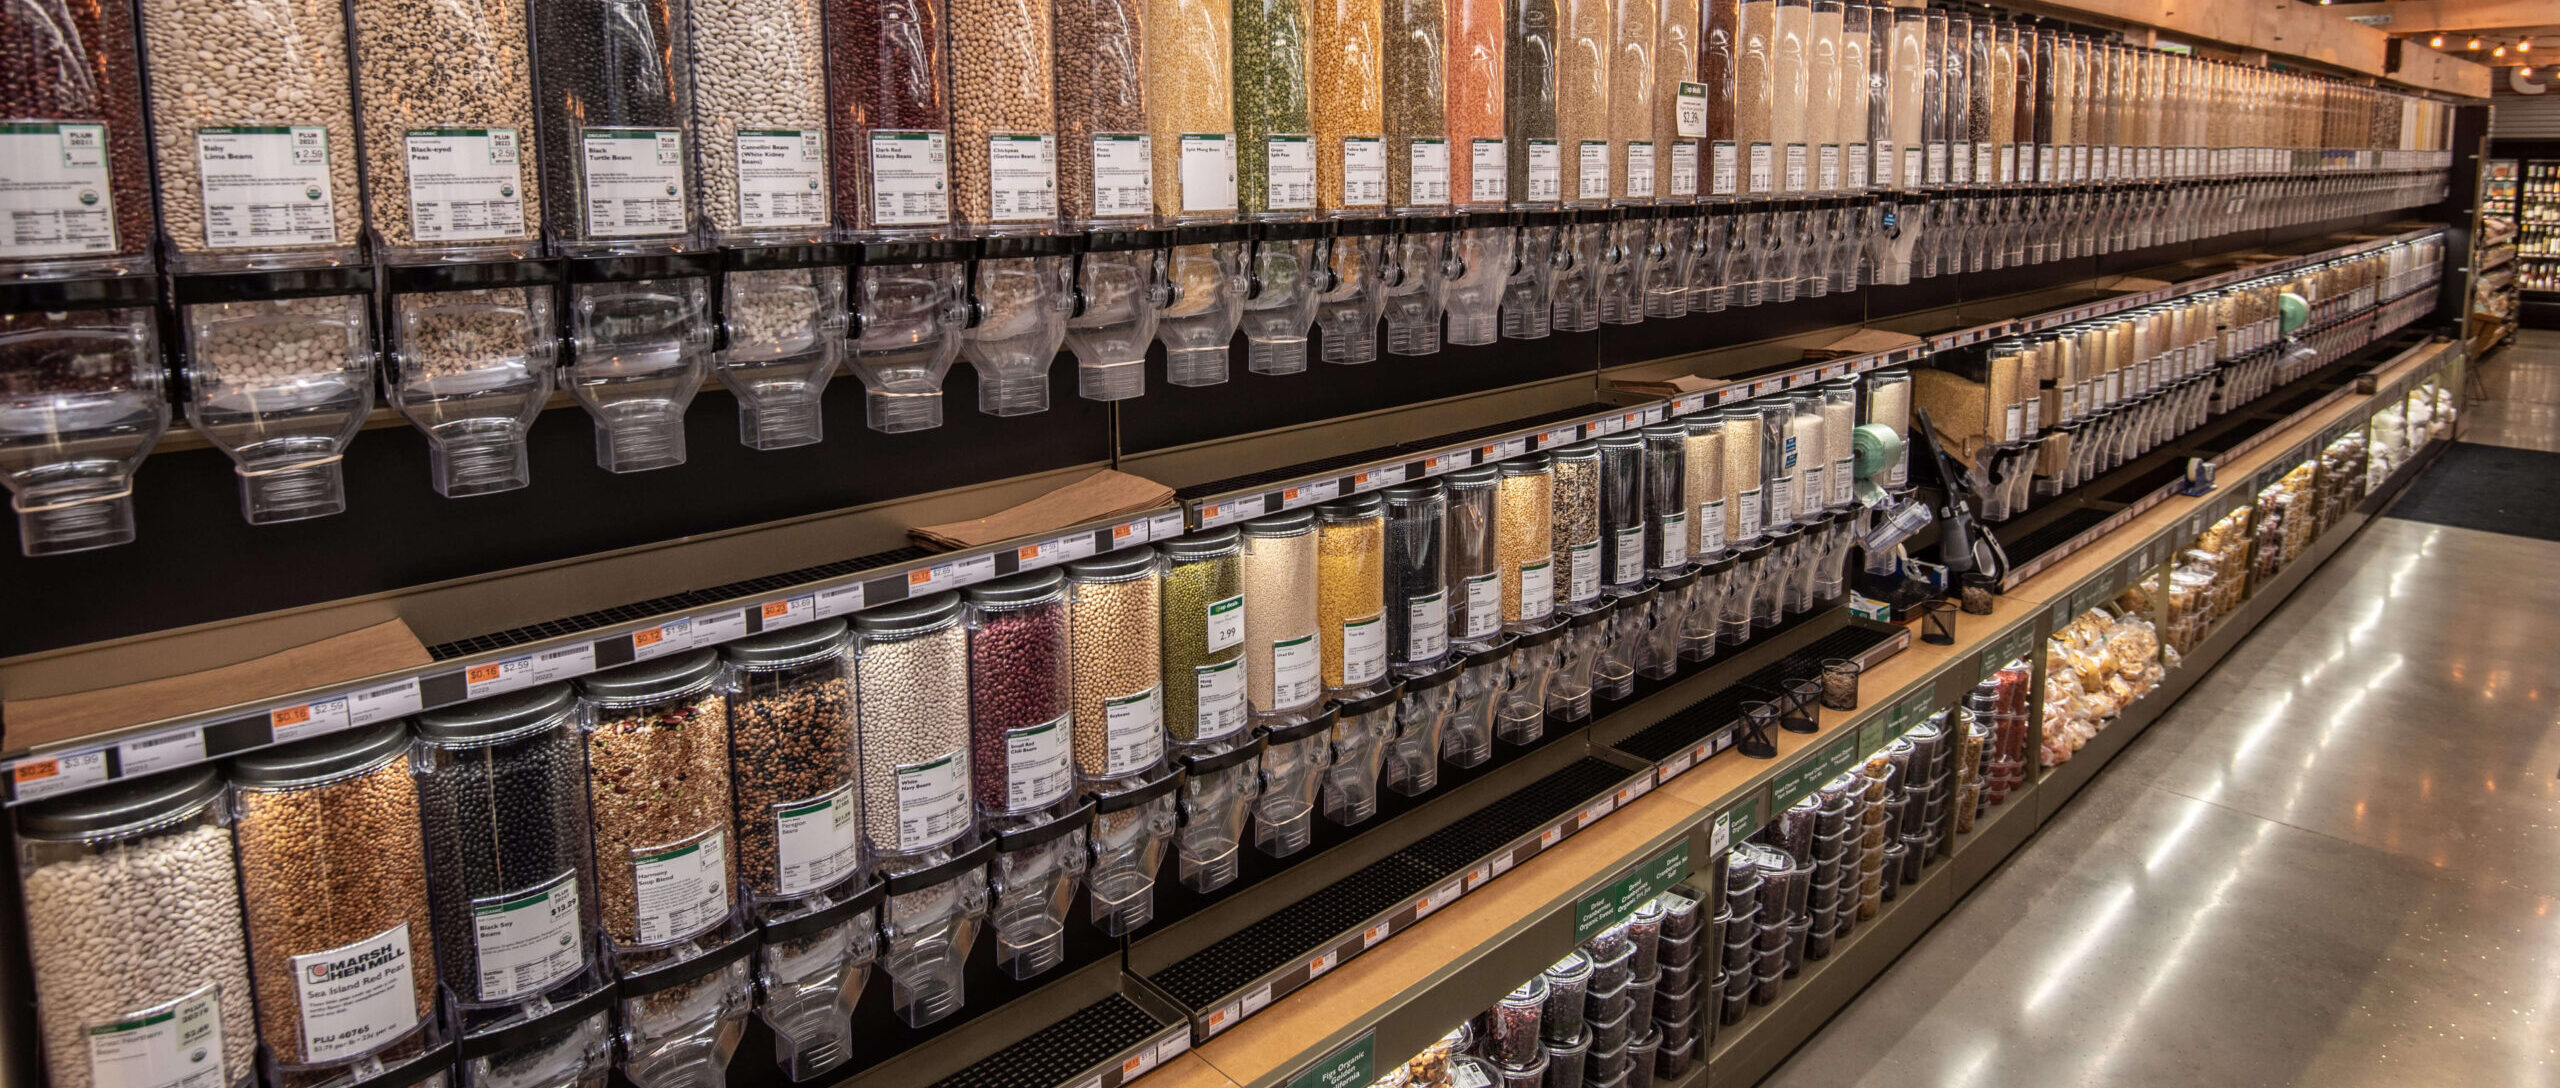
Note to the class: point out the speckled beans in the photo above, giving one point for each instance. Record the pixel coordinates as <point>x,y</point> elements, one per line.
<point>1272,40</point>
<point>792,761</point>
<point>1018,692</point>
<point>130,914</point>
<point>760,112</point>
<point>1574,518</point>
<point>64,61</point>
<point>1114,622</point>
<point>1524,539</point>
<point>1474,89</point>
<point>1104,168</point>
<point>891,139</point>
<point>1282,650</point>
<point>1529,103</point>
<point>333,880</point>
<point>614,86</point>
<point>263,85</point>
<point>1191,108</point>
<point>447,92</point>
<point>912,677</point>
<point>1347,89</point>
<point>1420,156</point>
<point>1003,115</point>
<point>1203,629</point>
<point>658,784</point>
<point>1351,570</point>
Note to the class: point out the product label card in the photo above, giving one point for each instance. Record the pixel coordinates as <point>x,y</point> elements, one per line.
<point>1855,160</point>
<point>910,178</point>
<point>1209,172</point>
<point>1427,163</point>
<point>1220,695</point>
<point>2008,164</point>
<point>1364,172</point>
<point>1937,160</point>
<point>1722,168</point>
<point>933,800</point>
<point>1484,605</point>
<point>1844,485</point>
<point>268,185</point>
<point>1537,588</point>
<point>529,940</point>
<point>1546,171</point>
<point>1711,530</point>
<point>1799,163</point>
<point>1292,169</point>
<point>1629,567</point>
<point>1814,491</point>
<point>1124,175</point>
<point>1592,175</point>
<point>1426,626</point>
<point>1826,162</point>
<point>1764,168</point>
<point>1689,112</point>
<point>1884,164</point>
<point>1226,624</point>
<point>1038,767</point>
<point>1982,163</point>
<point>680,888</point>
<point>1133,731</point>
<point>1022,178</point>
<point>465,183</point>
<point>1488,172</point>
<point>1296,676</point>
<point>1684,169</point>
<point>782,178</point>
<point>177,1045</point>
<point>1640,169</point>
<point>1584,561</point>
<point>1675,539</point>
<point>1748,503</point>
<point>356,997</point>
<point>1960,163</point>
<point>1364,649</point>
<point>816,841</point>
<point>54,197</point>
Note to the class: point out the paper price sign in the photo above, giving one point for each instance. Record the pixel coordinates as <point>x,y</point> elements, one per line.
<point>34,778</point>
<point>774,614</point>
<point>308,720</point>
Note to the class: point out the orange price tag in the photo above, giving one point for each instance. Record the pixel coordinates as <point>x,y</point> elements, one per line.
<point>482,674</point>
<point>1132,1064</point>
<point>776,609</point>
<point>289,716</point>
<point>1027,553</point>
<point>1289,494</point>
<point>37,771</point>
<point>650,637</point>
<point>1122,532</point>
<point>919,577</point>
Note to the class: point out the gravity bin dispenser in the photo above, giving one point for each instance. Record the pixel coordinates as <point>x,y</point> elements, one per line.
<point>909,309</point>
<point>471,353</point>
<point>782,321</point>
<point>1115,296</point>
<point>639,333</point>
<point>278,372</point>
<point>81,403</point>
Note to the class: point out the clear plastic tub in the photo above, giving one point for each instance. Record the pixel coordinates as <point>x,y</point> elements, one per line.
<point>1203,302</point>
<point>658,785</point>
<point>1284,276</point>
<point>1512,1035</point>
<point>1424,707</point>
<point>333,886</point>
<point>1021,728</point>
<point>680,1030</point>
<point>1347,312</point>
<point>1483,688</point>
<point>1528,304</point>
<point>282,385</point>
<point>1474,586</point>
<point>783,338</point>
<point>72,434</point>
<point>1478,273</point>
<point>257,144</point>
<point>1115,608</point>
<point>1565,1060</point>
<point>1575,526</point>
<point>1626,645</point>
<point>1415,283</point>
<point>1131,830</point>
<point>1623,525</point>
<point>794,764</point>
<point>1568,984</point>
<point>930,923</point>
<point>88,865</point>
<point>1019,296</point>
<point>912,675</point>
<point>1362,731</point>
<point>447,97</point>
<point>1203,641</point>
<point>1294,759</point>
<point>1218,790</point>
<point>642,349</point>
<point>575,1050</point>
<point>1030,887</point>
<point>471,369</point>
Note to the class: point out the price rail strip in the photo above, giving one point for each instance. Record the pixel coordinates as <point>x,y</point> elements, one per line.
<point>522,657</point>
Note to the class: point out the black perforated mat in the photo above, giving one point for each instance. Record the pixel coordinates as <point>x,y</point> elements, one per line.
<point>1086,1038</point>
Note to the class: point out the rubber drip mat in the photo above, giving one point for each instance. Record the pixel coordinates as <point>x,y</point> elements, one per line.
<point>2141,487</point>
<point>659,606</point>
<point>1417,447</point>
<point>2054,534</point>
<point>1304,928</point>
<point>1086,1038</point>
<point>1685,727</point>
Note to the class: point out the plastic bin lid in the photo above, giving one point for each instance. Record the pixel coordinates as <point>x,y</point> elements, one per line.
<point>1356,506</point>
<point>1286,523</point>
<point>647,680</point>
<point>788,646</point>
<point>1664,430</point>
<point>320,757</point>
<point>1206,544</point>
<point>1416,492</point>
<point>1530,464</point>
<point>910,614</point>
<point>1472,477</point>
<point>1574,967</point>
<point>129,804</point>
<point>498,715</point>
<point>1579,451</point>
<point>1710,420</point>
<point>1530,992</point>
<point>1116,566</point>
<point>1021,589</point>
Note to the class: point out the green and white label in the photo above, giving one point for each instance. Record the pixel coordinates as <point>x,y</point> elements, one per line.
<point>933,799</point>
<point>1220,695</point>
<point>1426,626</point>
<point>1546,171</point>
<point>1591,170</point>
<point>1022,177</point>
<point>910,179</point>
<point>632,181</point>
<point>357,996</point>
<point>1364,649</point>
<point>1629,566</point>
<point>1133,731</point>
<point>1489,175</point>
<point>1364,172</point>
<point>1037,769</point>
<point>1675,540</point>
<point>1750,508</point>
<point>1537,589</point>
<point>465,184</point>
<point>54,197</point>
<point>266,185</point>
<point>782,177</point>
<point>1290,161</point>
<point>1296,672</point>
<point>1640,169</point>
<point>1689,112</point>
<point>1711,532</point>
<point>1208,172</point>
<point>1798,167</point>
<point>527,941</point>
<point>1826,169</point>
<point>1226,624</point>
<point>1763,167</point>
<point>815,841</point>
<point>1606,905</point>
<point>1684,168</point>
<point>680,888</point>
<point>1855,159</point>
<point>1722,168</point>
<point>1484,605</point>
<point>177,1045</point>
<point>1124,175</point>
<point>1427,183</point>
<point>1584,560</point>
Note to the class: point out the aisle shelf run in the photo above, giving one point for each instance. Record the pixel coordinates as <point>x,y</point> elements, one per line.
<point>541,653</point>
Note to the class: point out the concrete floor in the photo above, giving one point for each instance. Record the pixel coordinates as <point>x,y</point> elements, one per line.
<point>2335,862</point>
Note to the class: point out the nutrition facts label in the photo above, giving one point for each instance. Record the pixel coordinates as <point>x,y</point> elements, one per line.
<point>910,179</point>
<point>679,889</point>
<point>1293,172</point>
<point>782,175</point>
<point>1364,172</point>
<point>1123,175</point>
<point>527,940</point>
<point>1022,177</point>
<point>815,842</point>
<point>465,183</point>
